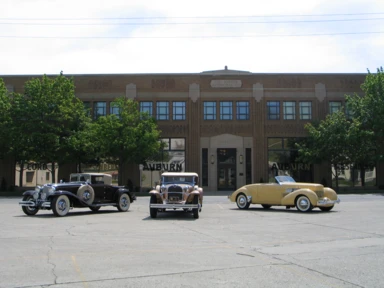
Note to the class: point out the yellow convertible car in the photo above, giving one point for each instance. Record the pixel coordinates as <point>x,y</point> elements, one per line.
<point>286,192</point>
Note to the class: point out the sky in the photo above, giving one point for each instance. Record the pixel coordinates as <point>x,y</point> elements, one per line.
<point>174,36</point>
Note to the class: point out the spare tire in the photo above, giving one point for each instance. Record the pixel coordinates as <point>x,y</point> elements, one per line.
<point>86,194</point>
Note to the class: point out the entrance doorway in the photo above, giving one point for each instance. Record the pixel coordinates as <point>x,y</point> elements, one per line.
<point>226,169</point>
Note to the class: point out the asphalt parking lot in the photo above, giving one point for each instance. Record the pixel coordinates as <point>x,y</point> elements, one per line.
<point>225,247</point>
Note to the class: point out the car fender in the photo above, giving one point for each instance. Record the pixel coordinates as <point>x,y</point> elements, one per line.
<point>70,195</point>
<point>192,195</point>
<point>29,193</point>
<point>157,194</point>
<point>243,190</point>
<point>289,199</point>
<point>330,193</point>
<point>121,191</point>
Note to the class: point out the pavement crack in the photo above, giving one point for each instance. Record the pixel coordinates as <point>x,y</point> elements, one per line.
<point>50,245</point>
<point>69,232</point>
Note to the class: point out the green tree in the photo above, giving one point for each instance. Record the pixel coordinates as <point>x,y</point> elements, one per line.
<point>5,119</point>
<point>130,137</point>
<point>54,115</point>
<point>369,109</point>
<point>327,141</point>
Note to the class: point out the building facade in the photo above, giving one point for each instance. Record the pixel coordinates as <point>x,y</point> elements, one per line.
<point>231,127</point>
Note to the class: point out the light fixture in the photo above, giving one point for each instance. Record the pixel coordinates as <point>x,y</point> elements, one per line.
<point>241,159</point>
<point>212,159</point>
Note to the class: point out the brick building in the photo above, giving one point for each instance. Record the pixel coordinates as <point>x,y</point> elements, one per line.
<point>231,127</point>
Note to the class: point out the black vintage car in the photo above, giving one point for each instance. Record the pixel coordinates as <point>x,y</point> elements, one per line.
<point>92,190</point>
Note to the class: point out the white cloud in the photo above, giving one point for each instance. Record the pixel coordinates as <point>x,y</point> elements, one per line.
<point>160,53</point>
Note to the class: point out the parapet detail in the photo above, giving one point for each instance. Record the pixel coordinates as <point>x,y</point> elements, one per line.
<point>194,92</point>
<point>320,91</point>
<point>130,91</point>
<point>258,91</point>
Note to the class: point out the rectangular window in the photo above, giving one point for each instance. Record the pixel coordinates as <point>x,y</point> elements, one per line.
<point>242,110</point>
<point>178,110</point>
<point>209,110</point>
<point>305,110</point>
<point>87,107</point>
<point>204,168</point>
<point>99,109</point>
<point>47,176</point>
<point>162,111</point>
<point>334,106</point>
<point>273,110</point>
<point>146,107</point>
<point>113,109</point>
<point>29,176</point>
<point>225,110</point>
<point>289,110</point>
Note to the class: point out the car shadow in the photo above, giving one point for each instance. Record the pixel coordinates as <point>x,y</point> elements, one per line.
<point>283,210</point>
<point>172,215</point>
<point>73,214</point>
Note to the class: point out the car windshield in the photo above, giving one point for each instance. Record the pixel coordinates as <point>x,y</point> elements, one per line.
<point>178,179</point>
<point>281,179</point>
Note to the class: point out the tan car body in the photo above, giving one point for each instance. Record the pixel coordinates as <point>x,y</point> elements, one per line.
<point>180,194</point>
<point>286,194</point>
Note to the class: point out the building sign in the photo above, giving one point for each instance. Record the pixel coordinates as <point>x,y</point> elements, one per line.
<point>226,83</point>
<point>163,167</point>
<point>291,166</point>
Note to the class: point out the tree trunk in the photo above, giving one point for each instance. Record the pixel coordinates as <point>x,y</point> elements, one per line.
<point>21,175</point>
<point>336,178</point>
<point>362,175</point>
<point>53,170</point>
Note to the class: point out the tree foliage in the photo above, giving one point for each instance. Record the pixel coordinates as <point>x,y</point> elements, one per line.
<point>5,120</point>
<point>369,109</point>
<point>130,137</point>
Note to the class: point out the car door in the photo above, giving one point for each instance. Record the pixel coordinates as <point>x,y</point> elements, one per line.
<point>270,194</point>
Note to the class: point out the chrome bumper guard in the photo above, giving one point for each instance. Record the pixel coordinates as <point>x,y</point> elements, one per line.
<point>327,201</point>
<point>175,206</point>
<point>45,204</point>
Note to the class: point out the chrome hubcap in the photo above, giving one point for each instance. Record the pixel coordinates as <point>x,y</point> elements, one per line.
<point>62,205</point>
<point>304,204</point>
<point>123,202</point>
<point>86,195</point>
<point>241,201</point>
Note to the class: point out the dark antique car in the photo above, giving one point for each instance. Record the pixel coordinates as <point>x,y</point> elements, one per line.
<point>92,190</point>
<point>177,190</point>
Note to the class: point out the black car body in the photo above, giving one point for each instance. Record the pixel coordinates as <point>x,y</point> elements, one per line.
<point>92,190</point>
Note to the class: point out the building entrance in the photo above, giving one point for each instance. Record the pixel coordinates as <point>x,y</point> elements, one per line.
<point>226,169</point>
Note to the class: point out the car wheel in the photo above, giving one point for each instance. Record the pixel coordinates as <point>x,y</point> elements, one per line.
<point>303,204</point>
<point>123,202</point>
<point>196,210</point>
<point>95,209</point>
<point>86,194</point>
<point>242,201</point>
<point>60,205</point>
<point>266,206</point>
<point>153,211</point>
<point>30,211</point>
<point>329,208</point>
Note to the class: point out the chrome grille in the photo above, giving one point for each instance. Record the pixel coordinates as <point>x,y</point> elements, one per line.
<point>320,194</point>
<point>175,188</point>
<point>174,197</point>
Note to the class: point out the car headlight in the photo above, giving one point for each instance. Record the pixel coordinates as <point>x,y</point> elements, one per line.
<point>196,187</point>
<point>43,196</point>
<point>36,195</point>
<point>163,188</point>
<point>186,188</point>
<point>37,189</point>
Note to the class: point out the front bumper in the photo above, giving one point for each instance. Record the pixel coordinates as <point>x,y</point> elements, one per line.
<point>174,206</point>
<point>37,204</point>
<point>326,201</point>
